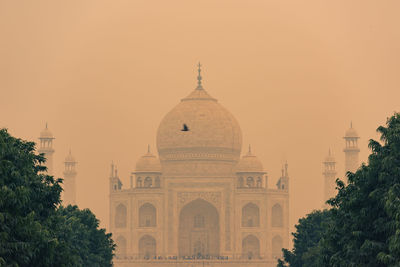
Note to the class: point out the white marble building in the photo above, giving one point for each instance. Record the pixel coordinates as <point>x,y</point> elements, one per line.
<point>198,202</point>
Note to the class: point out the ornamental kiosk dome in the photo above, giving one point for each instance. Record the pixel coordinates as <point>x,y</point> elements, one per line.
<point>46,134</point>
<point>249,163</point>
<point>148,163</point>
<point>351,132</point>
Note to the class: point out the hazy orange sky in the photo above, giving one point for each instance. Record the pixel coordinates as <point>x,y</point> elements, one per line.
<point>293,73</point>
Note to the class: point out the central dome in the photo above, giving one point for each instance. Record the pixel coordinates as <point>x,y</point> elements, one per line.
<point>199,129</point>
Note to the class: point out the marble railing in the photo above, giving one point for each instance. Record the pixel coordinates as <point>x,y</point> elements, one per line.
<point>191,258</point>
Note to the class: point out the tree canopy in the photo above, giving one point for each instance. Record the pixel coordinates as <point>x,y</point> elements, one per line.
<point>363,228</point>
<point>34,229</point>
<point>306,239</point>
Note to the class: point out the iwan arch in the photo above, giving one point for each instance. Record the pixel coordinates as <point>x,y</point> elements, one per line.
<point>199,203</point>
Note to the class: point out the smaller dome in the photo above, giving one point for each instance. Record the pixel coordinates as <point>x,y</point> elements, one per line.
<point>69,158</point>
<point>148,163</point>
<point>46,133</point>
<point>249,163</point>
<point>351,132</point>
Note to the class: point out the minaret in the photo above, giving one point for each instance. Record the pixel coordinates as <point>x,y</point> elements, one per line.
<point>46,147</point>
<point>351,150</point>
<point>330,176</point>
<point>69,181</point>
<point>283,182</point>
<point>115,182</point>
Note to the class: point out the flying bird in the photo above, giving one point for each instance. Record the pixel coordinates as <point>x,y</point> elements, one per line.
<point>185,128</point>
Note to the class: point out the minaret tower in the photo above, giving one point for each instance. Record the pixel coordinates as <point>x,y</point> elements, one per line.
<point>115,182</point>
<point>283,182</point>
<point>69,180</point>
<point>46,147</point>
<point>330,176</point>
<point>351,150</point>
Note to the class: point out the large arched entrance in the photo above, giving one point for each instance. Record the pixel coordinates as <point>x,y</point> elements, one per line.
<point>199,229</point>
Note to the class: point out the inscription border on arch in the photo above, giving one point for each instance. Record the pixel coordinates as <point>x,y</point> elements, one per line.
<point>212,197</point>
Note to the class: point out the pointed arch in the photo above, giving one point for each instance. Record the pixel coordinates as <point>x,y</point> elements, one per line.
<point>147,215</point>
<point>199,229</point>
<point>277,246</point>
<point>120,216</point>
<point>277,216</point>
<point>121,245</point>
<point>250,215</point>
<point>147,247</point>
<point>251,247</point>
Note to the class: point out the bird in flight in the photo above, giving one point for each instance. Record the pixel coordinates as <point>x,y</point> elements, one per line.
<point>185,128</point>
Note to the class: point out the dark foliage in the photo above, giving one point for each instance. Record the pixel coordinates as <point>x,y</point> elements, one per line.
<point>34,229</point>
<point>308,233</point>
<point>364,223</point>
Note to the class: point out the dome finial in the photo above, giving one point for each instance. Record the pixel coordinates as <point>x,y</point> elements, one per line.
<point>249,150</point>
<point>148,148</point>
<point>199,78</point>
<point>46,124</point>
<point>351,124</point>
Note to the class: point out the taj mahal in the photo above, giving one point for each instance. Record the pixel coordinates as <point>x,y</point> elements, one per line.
<point>198,202</point>
<point>201,201</point>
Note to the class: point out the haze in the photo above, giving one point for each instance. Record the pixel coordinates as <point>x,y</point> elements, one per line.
<point>104,73</point>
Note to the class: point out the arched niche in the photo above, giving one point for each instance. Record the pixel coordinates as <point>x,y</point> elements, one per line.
<point>251,247</point>
<point>277,216</point>
<point>250,215</point>
<point>199,232</point>
<point>120,216</point>
<point>147,247</point>
<point>121,245</point>
<point>277,246</point>
<point>147,215</point>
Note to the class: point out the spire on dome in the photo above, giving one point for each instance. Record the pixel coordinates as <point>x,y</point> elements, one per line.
<point>351,124</point>
<point>46,124</point>
<point>199,78</point>
<point>249,153</point>
<point>148,148</point>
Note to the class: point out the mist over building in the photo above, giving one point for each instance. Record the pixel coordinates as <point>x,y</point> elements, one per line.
<point>198,200</point>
